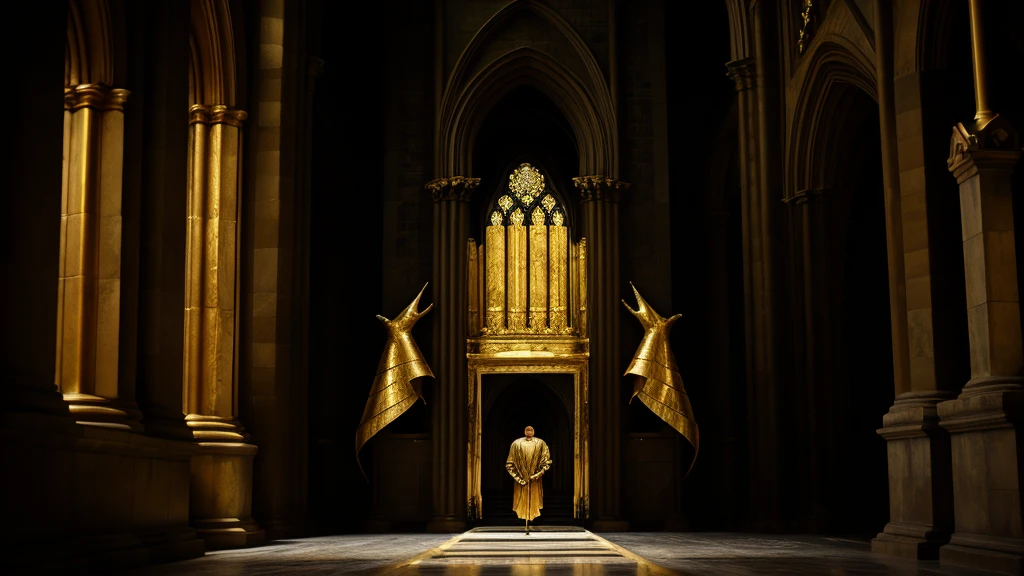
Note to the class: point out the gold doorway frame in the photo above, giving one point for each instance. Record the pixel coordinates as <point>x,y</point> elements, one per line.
<point>531,355</point>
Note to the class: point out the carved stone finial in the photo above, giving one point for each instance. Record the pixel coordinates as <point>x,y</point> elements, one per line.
<point>599,187</point>
<point>457,188</point>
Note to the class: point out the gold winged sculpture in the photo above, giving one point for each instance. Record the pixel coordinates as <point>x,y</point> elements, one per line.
<point>397,384</point>
<point>659,383</point>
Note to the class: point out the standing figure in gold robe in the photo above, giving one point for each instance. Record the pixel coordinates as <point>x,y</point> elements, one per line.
<point>528,460</point>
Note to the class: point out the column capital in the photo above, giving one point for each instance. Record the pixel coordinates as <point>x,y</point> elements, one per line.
<point>96,96</point>
<point>457,188</point>
<point>743,73</point>
<point>599,187</point>
<point>992,146</point>
<point>216,114</point>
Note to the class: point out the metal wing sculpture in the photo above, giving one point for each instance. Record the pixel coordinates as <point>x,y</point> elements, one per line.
<point>659,383</point>
<point>397,384</point>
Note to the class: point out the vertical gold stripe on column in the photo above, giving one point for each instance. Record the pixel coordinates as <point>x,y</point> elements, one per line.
<point>581,271</point>
<point>538,272</point>
<point>481,263</point>
<point>517,271</point>
<point>559,276</point>
<point>473,318</point>
<point>194,236</point>
<point>108,247</point>
<point>495,259</point>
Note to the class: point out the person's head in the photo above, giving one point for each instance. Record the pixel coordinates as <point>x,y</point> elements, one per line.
<point>529,431</point>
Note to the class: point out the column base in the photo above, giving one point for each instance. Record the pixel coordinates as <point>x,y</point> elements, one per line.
<point>229,533</point>
<point>90,410</point>
<point>1002,555</point>
<point>610,526</point>
<point>445,525</point>
<point>220,502</point>
<point>920,483</point>
<point>909,541</point>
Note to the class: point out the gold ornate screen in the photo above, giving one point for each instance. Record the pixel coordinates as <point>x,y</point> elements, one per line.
<point>528,312</point>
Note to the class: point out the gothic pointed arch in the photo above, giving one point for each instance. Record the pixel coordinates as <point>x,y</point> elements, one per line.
<point>739,30</point>
<point>835,68</point>
<point>89,53</point>
<point>212,63</point>
<point>565,70</point>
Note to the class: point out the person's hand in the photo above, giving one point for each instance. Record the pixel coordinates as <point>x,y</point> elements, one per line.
<point>521,481</point>
<point>534,477</point>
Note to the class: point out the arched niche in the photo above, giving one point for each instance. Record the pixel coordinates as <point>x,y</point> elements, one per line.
<point>212,77</point>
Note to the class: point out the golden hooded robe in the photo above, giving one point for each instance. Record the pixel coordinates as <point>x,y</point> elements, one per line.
<point>527,457</point>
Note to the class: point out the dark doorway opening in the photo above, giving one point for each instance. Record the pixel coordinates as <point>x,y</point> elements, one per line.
<point>510,403</point>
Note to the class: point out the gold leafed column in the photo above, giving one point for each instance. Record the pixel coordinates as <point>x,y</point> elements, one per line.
<point>221,487</point>
<point>517,271</point>
<point>538,271</point>
<point>558,292</point>
<point>89,280</point>
<point>494,259</point>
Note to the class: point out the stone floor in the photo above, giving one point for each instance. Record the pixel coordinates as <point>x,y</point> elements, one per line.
<point>582,554</point>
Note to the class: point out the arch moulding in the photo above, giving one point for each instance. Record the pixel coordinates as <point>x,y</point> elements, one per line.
<point>474,87</point>
<point>212,70</point>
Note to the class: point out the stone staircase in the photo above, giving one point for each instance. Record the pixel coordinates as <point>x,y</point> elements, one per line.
<point>504,545</point>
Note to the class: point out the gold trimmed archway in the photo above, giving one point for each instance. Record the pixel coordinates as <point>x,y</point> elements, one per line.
<point>527,314</point>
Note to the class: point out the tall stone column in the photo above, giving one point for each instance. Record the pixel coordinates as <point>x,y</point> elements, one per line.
<point>984,422</point>
<point>220,502</point>
<point>599,202</point>
<point>920,515</point>
<point>89,291</point>
<point>451,197</point>
<point>89,280</point>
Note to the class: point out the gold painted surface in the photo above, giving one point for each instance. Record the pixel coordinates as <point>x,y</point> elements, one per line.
<point>517,273</point>
<point>495,260</point>
<point>505,202</point>
<point>89,261</point>
<point>558,245</point>
<point>526,182</point>
<point>496,218</point>
<point>538,274</point>
<point>805,29</point>
<point>548,202</point>
<point>472,272</point>
<point>528,459</point>
<point>581,283</point>
<point>397,385</point>
<point>557,219</point>
<point>659,383</point>
<point>211,284</point>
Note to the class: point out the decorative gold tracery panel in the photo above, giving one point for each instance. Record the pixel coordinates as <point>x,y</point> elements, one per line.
<point>527,311</point>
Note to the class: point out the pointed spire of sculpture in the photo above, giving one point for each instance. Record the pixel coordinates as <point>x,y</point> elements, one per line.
<point>396,386</point>
<point>659,383</point>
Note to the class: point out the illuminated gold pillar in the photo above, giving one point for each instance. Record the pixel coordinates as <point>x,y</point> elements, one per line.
<point>221,486</point>
<point>89,278</point>
<point>558,293</point>
<point>517,271</point>
<point>449,437</point>
<point>538,271</point>
<point>473,274</point>
<point>494,259</point>
<point>599,197</point>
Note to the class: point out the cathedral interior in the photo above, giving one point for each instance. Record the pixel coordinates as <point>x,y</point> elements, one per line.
<point>821,190</point>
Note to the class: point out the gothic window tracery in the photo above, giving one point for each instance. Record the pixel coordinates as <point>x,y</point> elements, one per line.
<point>527,200</point>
